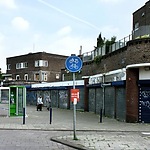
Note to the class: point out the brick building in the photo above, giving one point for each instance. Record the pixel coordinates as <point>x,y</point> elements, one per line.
<point>128,100</point>
<point>131,100</point>
<point>141,21</point>
<point>36,67</point>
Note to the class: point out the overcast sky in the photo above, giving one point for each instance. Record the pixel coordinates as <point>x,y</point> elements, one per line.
<point>61,26</point>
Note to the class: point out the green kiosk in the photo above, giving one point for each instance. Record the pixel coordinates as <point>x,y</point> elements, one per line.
<point>17,100</point>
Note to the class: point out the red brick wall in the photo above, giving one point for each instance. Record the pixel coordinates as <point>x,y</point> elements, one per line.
<point>137,51</point>
<point>132,95</point>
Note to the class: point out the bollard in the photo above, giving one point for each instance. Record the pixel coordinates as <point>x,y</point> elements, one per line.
<point>50,114</point>
<point>24,115</point>
<point>101,114</point>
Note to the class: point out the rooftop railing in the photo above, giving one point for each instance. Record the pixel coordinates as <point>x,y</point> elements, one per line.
<point>141,32</point>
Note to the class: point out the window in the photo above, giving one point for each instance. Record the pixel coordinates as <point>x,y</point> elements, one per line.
<point>63,77</point>
<point>36,77</point>
<point>36,63</point>
<point>21,65</point>
<point>45,63</point>
<point>41,76</point>
<point>44,76</point>
<point>8,67</point>
<point>26,77</point>
<point>17,77</point>
<point>24,65</point>
<point>57,76</point>
<point>18,65</point>
<point>136,26</point>
<point>143,14</point>
<point>41,63</point>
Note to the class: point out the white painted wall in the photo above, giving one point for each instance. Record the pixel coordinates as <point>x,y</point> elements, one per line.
<point>144,74</point>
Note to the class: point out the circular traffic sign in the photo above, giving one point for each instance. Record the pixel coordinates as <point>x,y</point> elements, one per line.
<point>73,64</point>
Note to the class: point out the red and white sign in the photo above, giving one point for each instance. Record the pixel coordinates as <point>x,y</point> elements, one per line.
<point>74,95</point>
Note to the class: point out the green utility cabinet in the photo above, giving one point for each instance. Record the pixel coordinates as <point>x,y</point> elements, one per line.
<point>17,100</point>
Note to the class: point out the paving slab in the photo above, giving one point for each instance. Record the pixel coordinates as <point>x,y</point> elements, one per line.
<point>91,134</point>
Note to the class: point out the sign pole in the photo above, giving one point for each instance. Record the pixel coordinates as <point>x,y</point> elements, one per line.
<point>74,111</point>
<point>74,64</point>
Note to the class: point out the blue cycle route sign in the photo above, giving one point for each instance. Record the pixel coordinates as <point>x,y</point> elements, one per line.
<point>73,63</point>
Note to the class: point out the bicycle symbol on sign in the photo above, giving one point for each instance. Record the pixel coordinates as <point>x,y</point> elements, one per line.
<point>73,66</point>
<point>73,60</point>
<point>73,63</point>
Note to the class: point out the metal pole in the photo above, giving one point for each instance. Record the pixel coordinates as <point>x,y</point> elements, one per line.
<point>73,80</point>
<point>103,94</point>
<point>101,113</point>
<point>74,111</point>
<point>24,115</point>
<point>50,114</point>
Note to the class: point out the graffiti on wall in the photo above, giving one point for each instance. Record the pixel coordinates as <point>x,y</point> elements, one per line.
<point>46,94</point>
<point>145,94</point>
<point>63,97</point>
<point>146,104</point>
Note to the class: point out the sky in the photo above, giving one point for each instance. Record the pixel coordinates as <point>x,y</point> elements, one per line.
<point>61,26</point>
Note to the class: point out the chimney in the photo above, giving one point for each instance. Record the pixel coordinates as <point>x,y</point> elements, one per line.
<point>80,51</point>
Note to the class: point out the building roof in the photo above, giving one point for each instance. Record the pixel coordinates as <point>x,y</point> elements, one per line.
<point>36,54</point>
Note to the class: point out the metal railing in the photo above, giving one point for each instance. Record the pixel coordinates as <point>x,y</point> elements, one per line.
<point>141,32</point>
<point>101,51</point>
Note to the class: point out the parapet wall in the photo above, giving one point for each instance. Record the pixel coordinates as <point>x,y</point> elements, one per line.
<point>137,51</point>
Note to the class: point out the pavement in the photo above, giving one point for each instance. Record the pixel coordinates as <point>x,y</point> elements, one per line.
<point>90,133</point>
